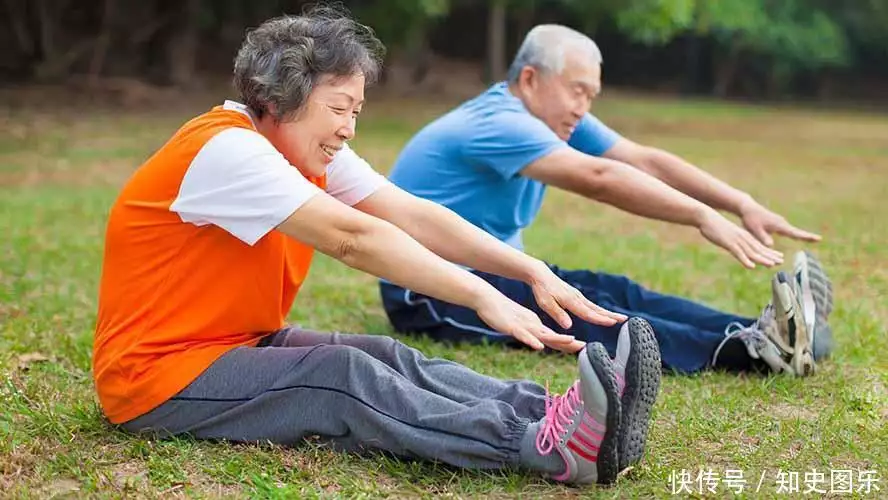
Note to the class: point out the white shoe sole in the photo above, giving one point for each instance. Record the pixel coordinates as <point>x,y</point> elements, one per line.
<point>788,306</point>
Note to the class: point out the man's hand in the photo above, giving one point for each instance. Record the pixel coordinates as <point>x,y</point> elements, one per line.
<point>762,223</point>
<point>510,318</point>
<point>748,250</point>
<point>558,298</point>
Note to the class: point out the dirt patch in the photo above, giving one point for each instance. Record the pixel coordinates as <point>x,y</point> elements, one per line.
<point>17,465</point>
<point>128,475</point>
<point>60,488</point>
<point>99,173</point>
<point>786,411</point>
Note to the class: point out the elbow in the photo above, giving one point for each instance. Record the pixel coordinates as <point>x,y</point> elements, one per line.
<point>346,249</point>
<point>355,247</point>
<point>649,161</point>
<point>598,179</point>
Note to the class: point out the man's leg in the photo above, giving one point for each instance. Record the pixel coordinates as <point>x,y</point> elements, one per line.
<point>442,377</point>
<point>283,394</point>
<point>687,338</point>
<point>629,295</point>
<point>693,328</point>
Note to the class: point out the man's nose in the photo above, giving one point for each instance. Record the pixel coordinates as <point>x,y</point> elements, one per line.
<point>582,107</point>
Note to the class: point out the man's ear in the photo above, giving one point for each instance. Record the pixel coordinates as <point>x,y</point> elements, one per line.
<point>528,77</point>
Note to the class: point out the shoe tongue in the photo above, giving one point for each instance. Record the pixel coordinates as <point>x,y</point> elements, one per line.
<point>568,398</point>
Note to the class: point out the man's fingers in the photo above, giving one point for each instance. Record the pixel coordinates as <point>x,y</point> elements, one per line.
<point>737,250</point>
<point>758,256</point>
<point>775,256</point>
<point>799,234</point>
<point>762,235</point>
<point>759,252</point>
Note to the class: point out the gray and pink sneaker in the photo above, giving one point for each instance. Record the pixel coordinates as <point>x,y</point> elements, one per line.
<point>583,424</point>
<point>637,366</point>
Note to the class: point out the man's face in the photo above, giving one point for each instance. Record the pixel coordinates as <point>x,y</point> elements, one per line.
<point>325,123</point>
<point>561,100</point>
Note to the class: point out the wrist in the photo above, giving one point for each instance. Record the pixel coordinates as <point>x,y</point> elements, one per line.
<point>535,271</point>
<point>702,214</point>
<point>478,293</point>
<point>743,203</point>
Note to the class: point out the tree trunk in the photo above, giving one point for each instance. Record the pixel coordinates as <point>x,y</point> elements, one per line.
<point>726,69</point>
<point>419,52</point>
<point>18,20</point>
<point>693,50</point>
<point>46,26</point>
<point>496,40</point>
<point>100,51</point>
<point>826,85</point>
<point>524,22</point>
<point>182,47</point>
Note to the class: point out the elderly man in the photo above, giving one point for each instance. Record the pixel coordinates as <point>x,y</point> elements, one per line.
<point>491,159</point>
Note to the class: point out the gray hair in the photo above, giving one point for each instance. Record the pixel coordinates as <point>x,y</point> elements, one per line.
<point>545,46</point>
<point>282,60</point>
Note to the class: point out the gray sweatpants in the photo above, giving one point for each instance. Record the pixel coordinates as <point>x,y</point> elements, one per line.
<point>357,391</point>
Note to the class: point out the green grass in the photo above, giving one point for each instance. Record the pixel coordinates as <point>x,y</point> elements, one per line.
<point>827,171</point>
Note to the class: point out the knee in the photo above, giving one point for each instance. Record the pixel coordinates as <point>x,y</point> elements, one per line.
<point>390,348</point>
<point>341,356</point>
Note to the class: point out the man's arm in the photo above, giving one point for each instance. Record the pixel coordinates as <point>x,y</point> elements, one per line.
<point>450,236</point>
<point>703,186</point>
<point>634,191</point>
<point>375,246</point>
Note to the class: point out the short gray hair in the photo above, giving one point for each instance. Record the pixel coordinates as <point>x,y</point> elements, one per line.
<point>544,48</point>
<point>282,60</point>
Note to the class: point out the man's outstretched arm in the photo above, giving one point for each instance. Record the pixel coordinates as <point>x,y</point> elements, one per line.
<point>627,188</point>
<point>705,187</point>
<point>456,240</point>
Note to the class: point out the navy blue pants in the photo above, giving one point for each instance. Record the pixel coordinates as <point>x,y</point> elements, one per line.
<point>688,332</point>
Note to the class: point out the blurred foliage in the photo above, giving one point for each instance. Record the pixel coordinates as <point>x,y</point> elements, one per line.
<point>400,22</point>
<point>778,40</point>
<point>793,32</point>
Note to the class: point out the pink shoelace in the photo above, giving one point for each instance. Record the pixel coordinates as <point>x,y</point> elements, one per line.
<point>559,414</point>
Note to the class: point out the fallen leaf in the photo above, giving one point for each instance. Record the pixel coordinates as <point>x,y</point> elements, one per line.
<point>25,360</point>
<point>61,488</point>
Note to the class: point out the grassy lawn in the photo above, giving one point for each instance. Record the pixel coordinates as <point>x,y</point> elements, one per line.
<point>826,171</point>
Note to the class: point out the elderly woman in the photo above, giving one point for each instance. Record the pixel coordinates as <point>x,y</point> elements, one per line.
<point>210,240</point>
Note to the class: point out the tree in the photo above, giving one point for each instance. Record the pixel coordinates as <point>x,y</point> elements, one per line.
<point>403,25</point>
<point>785,36</point>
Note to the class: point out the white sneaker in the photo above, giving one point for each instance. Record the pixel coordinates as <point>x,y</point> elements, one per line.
<point>780,337</point>
<point>814,290</point>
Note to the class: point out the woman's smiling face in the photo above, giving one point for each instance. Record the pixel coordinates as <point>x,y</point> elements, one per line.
<point>320,129</point>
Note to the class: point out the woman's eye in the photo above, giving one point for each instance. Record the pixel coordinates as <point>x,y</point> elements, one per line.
<point>339,111</point>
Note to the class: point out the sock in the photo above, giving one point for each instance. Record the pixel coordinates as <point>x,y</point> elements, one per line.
<point>532,459</point>
<point>735,358</point>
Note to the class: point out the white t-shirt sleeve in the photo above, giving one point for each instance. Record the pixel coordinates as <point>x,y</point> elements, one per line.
<point>241,183</point>
<point>350,179</point>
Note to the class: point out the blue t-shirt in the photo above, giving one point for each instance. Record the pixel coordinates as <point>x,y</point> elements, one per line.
<point>469,161</point>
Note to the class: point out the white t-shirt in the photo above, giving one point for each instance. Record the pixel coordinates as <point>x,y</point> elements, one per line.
<point>241,183</point>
